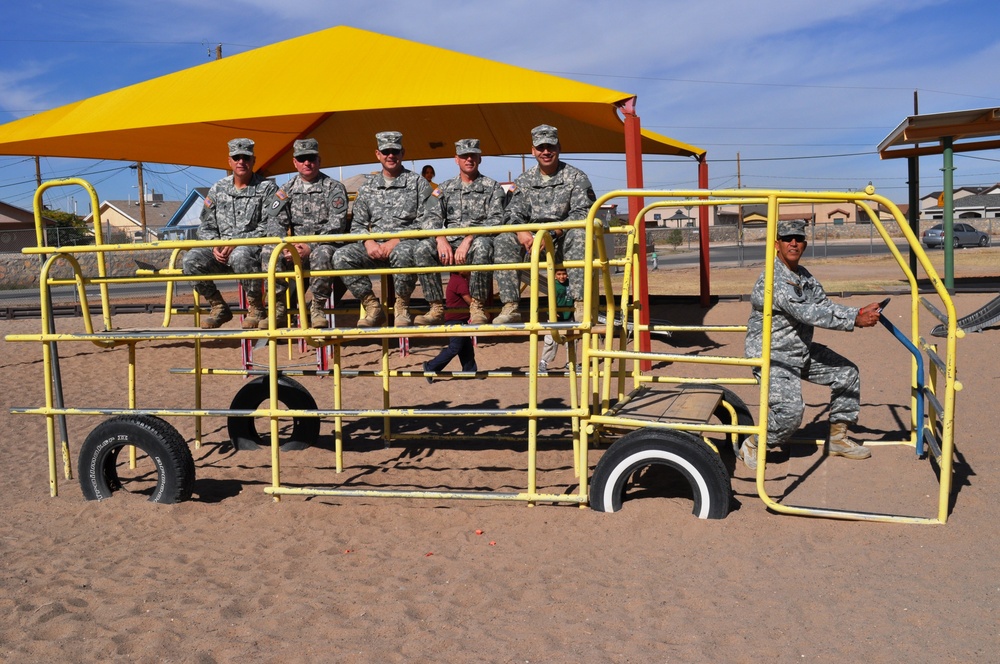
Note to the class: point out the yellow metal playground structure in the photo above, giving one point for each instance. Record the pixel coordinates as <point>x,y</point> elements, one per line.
<point>686,422</point>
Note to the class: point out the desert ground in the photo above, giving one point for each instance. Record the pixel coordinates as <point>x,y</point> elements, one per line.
<point>233,576</point>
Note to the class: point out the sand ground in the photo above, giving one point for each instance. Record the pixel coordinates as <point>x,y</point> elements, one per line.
<point>232,576</point>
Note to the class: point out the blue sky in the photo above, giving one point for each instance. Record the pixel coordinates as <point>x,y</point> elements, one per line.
<point>802,90</point>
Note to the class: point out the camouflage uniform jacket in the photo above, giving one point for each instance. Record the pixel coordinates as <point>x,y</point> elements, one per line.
<point>407,203</point>
<point>308,208</point>
<point>478,203</point>
<point>800,305</point>
<point>566,195</point>
<point>234,213</point>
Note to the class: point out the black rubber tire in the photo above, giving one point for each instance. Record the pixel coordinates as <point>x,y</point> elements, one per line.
<point>684,452</point>
<point>743,415</point>
<point>955,243</point>
<point>243,430</point>
<point>97,464</point>
<point>984,241</point>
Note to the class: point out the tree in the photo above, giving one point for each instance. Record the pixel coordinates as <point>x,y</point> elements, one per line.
<point>70,229</point>
<point>674,238</point>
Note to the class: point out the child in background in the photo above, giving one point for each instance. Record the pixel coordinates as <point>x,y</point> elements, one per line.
<point>563,299</point>
<point>456,296</point>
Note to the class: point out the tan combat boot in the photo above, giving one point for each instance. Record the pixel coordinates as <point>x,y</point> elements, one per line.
<point>280,314</point>
<point>508,314</point>
<point>317,317</point>
<point>748,452</point>
<point>401,311</point>
<point>841,445</point>
<point>477,313</point>
<point>255,313</point>
<point>374,316</point>
<point>435,316</point>
<point>218,314</point>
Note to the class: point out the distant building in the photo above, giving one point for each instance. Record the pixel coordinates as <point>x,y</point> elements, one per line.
<point>187,217</point>
<point>17,228</point>
<point>122,218</point>
<point>967,203</point>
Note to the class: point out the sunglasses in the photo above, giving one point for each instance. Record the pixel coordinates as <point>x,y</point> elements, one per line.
<point>788,238</point>
<point>242,157</point>
<point>390,152</point>
<point>307,157</point>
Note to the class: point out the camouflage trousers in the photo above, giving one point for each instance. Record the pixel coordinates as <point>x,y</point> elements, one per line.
<point>355,257</point>
<point>506,249</point>
<point>480,253</point>
<point>823,367</point>
<point>243,260</point>
<point>320,258</point>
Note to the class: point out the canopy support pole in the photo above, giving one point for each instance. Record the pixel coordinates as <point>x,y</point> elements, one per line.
<point>704,262</point>
<point>633,168</point>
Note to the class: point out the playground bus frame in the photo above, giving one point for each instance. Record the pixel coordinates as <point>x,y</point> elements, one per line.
<point>646,418</point>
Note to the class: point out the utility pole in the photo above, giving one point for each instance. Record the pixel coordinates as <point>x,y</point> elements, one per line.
<point>38,176</point>
<point>739,216</point>
<point>142,201</point>
<point>218,52</point>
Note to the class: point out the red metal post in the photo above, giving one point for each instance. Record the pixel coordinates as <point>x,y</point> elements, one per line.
<point>705,262</point>
<point>633,169</point>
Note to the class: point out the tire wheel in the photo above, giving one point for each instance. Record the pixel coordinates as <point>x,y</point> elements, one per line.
<point>955,243</point>
<point>743,416</point>
<point>168,460</point>
<point>984,241</point>
<point>243,430</point>
<point>679,451</point>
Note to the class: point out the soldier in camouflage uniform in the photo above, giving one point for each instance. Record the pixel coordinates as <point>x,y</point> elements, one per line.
<point>311,203</point>
<point>233,209</point>
<point>388,202</point>
<point>470,199</point>
<point>800,305</point>
<point>550,191</point>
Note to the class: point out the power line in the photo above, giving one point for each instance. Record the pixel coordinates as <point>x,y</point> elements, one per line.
<point>867,88</point>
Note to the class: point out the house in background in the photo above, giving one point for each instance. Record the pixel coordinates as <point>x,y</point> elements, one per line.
<point>967,202</point>
<point>17,228</point>
<point>183,225</point>
<point>121,220</point>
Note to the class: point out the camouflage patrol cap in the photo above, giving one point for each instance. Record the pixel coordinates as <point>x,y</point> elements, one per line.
<point>305,146</point>
<point>467,146</point>
<point>544,135</point>
<point>240,146</point>
<point>389,140</point>
<point>792,227</point>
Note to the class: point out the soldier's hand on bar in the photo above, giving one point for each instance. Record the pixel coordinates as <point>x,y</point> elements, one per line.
<point>868,315</point>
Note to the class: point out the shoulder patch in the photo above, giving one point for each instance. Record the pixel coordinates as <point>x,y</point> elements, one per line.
<point>436,193</point>
<point>591,195</point>
<point>281,194</point>
<point>339,203</point>
<point>208,202</point>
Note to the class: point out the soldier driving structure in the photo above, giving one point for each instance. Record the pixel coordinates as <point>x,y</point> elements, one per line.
<point>681,413</point>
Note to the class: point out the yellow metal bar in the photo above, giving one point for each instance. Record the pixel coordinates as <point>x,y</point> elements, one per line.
<point>131,399</point>
<point>338,421</point>
<point>529,496</point>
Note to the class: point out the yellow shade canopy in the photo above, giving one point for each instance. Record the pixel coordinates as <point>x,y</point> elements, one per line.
<point>341,86</point>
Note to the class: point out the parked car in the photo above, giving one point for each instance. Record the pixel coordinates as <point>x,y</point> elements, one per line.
<point>964,235</point>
